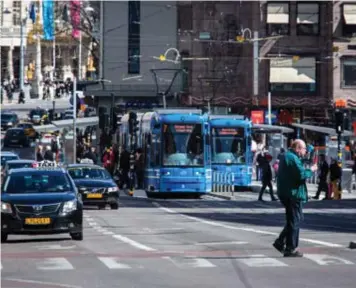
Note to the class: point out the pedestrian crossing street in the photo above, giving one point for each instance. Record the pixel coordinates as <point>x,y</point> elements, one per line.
<point>180,262</point>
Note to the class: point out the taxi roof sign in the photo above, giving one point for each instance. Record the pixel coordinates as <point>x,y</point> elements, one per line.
<point>46,164</point>
<point>86,161</point>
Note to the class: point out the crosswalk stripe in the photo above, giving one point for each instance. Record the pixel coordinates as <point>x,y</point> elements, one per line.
<point>55,264</point>
<point>324,260</point>
<point>261,261</point>
<point>113,263</point>
<point>189,262</point>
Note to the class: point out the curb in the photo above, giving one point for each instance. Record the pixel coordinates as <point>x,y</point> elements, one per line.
<point>220,196</point>
<point>352,245</point>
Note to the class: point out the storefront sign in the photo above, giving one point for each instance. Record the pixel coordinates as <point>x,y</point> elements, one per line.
<point>273,117</point>
<point>257,116</point>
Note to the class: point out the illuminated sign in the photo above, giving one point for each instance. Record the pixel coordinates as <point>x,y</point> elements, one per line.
<point>229,131</point>
<point>257,117</point>
<point>183,128</point>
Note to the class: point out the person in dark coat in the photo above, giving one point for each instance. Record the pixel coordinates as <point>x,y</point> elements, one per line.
<point>140,168</point>
<point>335,179</point>
<point>49,155</point>
<point>92,155</point>
<point>323,178</point>
<point>124,167</point>
<point>266,171</point>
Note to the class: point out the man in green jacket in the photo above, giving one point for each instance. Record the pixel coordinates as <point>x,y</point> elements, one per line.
<point>292,192</point>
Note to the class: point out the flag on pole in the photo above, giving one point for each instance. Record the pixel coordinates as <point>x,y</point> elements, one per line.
<point>32,12</point>
<point>48,19</point>
<point>75,17</point>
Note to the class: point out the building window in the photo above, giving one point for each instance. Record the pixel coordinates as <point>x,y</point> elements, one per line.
<point>16,19</point>
<point>348,72</point>
<point>277,18</point>
<point>293,75</point>
<point>185,17</point>
<point>308,18</point>
<point>349,23</point>
<point>134,37</point>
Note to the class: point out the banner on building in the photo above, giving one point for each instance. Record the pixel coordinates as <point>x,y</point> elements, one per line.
<point>48,19</point>
<point>75,17</point>
<point>257,116</point>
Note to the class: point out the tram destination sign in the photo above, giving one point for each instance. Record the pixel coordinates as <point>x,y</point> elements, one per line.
<point>229,131</point>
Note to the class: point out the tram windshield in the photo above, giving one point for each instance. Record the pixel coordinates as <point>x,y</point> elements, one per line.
<point>228,145</point>
<point>183,145</point>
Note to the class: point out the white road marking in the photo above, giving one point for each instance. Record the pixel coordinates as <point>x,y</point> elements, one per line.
<point>108,233</point>
<point>55,264</point>
<point>133,243</point>
<point>188,262</point>
<point>41,283</point>
<point>261,261</point>
<point>257,231</point>
<point>54,247</point>
<point>221,243</point>
<point>113,263</point>
<point>324,260</point>
<point>93,224</point>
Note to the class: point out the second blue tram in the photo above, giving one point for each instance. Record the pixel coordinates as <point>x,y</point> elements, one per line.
<point>231,148</point>
<point>176,149</point>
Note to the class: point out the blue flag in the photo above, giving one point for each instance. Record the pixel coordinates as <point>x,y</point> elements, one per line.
<point>48,19</point>
<point>33,12</point>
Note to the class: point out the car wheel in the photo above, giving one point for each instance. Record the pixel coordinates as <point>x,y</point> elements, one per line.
<point>3,237</point>
<point>77,236</point>
<point>114,206</point>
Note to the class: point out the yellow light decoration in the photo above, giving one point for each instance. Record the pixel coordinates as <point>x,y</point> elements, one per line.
<point>240,39</point>
<point>162,58</point>
<point>295,59</point>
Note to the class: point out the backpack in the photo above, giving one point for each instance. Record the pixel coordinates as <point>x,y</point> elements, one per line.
<point>54,146</point>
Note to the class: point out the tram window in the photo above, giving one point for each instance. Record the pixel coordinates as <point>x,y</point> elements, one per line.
<point>183,145</point>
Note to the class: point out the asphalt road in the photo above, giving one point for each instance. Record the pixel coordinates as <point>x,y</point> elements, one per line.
<point>188,243</point>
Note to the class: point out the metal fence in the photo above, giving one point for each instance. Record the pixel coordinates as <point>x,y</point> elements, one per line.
<point>223,182</point>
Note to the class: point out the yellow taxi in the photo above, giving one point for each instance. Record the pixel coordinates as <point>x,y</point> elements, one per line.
<point>29,130</point>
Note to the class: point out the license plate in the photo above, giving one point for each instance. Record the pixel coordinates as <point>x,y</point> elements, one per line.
<point>14,141</point>
<point>37,221</point>
<point>95,195</point>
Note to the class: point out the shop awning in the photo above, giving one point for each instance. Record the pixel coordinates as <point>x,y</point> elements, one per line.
<point>277,13</point>
<point>350,14</point>
<point>283,70</point>
<point>320,129</point>
<point>265,128</point>
<point>308,13</point>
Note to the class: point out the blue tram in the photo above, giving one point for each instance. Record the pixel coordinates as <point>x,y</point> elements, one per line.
<point>231,148</point>
<point>176,148</point>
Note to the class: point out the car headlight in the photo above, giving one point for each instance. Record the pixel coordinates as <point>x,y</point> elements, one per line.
<point>69,206</point>
<point>9,123</point>
<point>6,208</point>
<point>113,189</point>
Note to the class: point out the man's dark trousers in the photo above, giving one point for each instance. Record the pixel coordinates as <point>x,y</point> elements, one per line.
<point>294,216</point>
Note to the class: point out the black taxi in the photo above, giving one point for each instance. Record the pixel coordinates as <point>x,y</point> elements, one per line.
<point>95,184</point>
<point>42,200</point>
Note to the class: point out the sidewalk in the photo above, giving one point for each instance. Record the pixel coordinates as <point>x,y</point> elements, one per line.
<point>256,187</point>
<point>61,103</point>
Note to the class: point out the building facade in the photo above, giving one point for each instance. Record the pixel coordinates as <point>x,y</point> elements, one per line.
<point>64,54</point>
<point>136,34</point>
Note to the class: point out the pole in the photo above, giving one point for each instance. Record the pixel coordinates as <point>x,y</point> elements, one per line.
<point>22,52</point>
<point>54,57</point>
<point>75,120</point>
<point>269,109</point>
<point>80,57</point>
<point>255,64</point>
<point>101,63</point>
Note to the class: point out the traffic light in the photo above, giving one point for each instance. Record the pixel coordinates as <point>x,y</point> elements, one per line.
<point>339,121</point>
<point>133,123</point>
<point>103,118</point>
<point>113,120</point>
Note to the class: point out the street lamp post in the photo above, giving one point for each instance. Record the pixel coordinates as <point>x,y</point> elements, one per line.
<point>22,50</point>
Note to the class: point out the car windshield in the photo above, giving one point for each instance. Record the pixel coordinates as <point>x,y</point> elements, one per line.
<point>228,146</point>
<point>35,182</point>
<point>5,158</point>
<point>7,117</point>
<point>19,165</point>
<point>36,112</point>
<point>88,173</point>
<point>183,145</point>
<point>15,132</point>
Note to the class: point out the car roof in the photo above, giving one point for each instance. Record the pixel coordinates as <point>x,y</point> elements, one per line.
<point>21,161</point>
<point>8,112</point>
<point>8,153</point>
<point>32,170</point>
<point>16,128</point>
<point>84,165</point>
